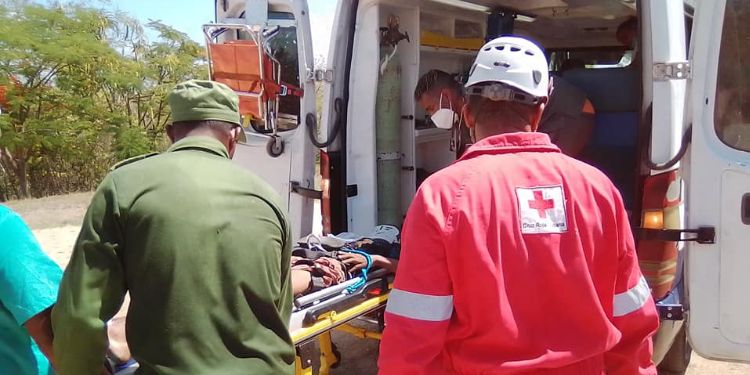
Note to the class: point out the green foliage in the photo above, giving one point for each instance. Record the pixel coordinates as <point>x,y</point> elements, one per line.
<point>84,89</point>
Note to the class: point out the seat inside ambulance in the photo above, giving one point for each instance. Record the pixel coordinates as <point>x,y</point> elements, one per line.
<point>613,147</point>
<point>611,79</point>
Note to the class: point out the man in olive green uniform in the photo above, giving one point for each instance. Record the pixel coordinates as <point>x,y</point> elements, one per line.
<point>202,245</point>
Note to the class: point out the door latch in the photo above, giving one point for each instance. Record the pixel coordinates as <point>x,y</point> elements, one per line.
<point>702,235</point>
<point>306,192</point>
<point>670,311</point>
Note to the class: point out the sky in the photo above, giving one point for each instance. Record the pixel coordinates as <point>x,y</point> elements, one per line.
<point>189,15</point>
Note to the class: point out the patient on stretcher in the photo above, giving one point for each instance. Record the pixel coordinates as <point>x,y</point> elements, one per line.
<point>320,262</point>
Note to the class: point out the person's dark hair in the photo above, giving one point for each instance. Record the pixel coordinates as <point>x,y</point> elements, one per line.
<point>435,80</point>
<point>630,24</point>
<point>215,125</point>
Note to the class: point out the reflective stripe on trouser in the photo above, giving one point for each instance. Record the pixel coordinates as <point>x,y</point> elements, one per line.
<point>632,299</point>
<point>420,306</point>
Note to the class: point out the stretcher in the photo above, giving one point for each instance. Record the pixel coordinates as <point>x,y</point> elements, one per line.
<point>334,308</point>
<point>317,314</point>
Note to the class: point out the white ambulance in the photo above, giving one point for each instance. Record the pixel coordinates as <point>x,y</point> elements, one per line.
<point>672,126</point>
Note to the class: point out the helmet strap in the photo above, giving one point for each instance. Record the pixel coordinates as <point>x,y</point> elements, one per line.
<point>499,92</point>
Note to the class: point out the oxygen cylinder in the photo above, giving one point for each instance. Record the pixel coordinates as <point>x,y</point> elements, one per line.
<point>388,139</point>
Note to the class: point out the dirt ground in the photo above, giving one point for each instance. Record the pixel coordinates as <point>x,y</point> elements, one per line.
<point>56,220</point>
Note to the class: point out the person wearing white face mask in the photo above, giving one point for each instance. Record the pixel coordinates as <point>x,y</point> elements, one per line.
<point>441,97</point>
<point>444,118</point>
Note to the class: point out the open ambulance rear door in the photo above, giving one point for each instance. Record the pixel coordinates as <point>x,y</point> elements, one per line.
<point>278,93</point>
<point>718,181</point>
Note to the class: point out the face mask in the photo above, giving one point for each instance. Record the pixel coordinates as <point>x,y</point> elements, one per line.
<point>443,118</point>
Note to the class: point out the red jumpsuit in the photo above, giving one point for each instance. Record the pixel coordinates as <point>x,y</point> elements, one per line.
<point>518,259</point>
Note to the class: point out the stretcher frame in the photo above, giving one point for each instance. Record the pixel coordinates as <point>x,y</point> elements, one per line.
<point>269,108</point>
<point>320,327</point>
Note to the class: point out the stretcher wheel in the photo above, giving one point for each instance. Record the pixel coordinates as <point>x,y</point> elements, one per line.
<point>275,146</point>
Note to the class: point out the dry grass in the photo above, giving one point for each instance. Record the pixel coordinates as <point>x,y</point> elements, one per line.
<point>52,212</point>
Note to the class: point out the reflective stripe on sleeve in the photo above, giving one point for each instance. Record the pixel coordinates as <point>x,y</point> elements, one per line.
<point>420,306</point>
<point>633,299</point>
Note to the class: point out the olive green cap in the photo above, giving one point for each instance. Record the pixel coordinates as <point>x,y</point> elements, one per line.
<point>197,100</point>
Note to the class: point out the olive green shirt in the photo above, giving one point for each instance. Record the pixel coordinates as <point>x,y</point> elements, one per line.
<point>204,248</point>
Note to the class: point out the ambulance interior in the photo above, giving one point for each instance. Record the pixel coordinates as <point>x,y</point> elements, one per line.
<point>578,36</point>
<point>579,39</point>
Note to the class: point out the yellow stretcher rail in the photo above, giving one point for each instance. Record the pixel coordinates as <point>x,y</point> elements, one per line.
<point>321,330</point>
<point>333,319</point>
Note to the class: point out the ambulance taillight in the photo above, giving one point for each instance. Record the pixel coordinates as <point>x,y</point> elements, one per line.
<point>661,210</point>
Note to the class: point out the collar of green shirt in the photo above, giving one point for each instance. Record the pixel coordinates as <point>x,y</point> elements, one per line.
<point>202,143</point>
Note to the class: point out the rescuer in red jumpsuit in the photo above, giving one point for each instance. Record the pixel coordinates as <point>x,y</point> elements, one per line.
<point>517,258</point>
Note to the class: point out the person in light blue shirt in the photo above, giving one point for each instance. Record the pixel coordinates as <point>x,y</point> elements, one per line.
<point>29,281</point>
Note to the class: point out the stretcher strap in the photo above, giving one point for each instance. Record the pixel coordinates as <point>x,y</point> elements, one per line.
<point>282,89</point>
<point>271,87</point>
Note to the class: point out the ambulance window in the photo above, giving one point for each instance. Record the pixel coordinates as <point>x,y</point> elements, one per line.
<point>732,110</point>
<point>561,60</point>
<point>283,48</point>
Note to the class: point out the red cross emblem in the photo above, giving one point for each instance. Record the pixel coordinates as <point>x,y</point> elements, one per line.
<point>540,204</point>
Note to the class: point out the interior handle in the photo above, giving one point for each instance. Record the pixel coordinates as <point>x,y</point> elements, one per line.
<point>746,209</point>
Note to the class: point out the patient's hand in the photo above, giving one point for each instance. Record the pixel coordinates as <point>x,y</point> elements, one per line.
<point>118,345</point>
<point>354,261</point>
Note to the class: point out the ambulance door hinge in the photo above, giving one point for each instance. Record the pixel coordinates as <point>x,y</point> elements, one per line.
<point>320,75</point>
<point>306,192</point>
<point>672,71</point>
<point>702,235</point>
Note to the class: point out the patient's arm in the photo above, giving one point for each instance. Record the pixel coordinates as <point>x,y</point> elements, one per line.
<point>357,262</point>
<point>300,281</point>
<point>388,264</point>
<point>40,329</point>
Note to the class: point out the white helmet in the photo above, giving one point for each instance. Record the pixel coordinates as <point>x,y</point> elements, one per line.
<point>514,62</point>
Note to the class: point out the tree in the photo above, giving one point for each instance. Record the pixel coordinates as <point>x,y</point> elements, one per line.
<point>45,55</point>
<point>139,87</point>
<point>83,88</point>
